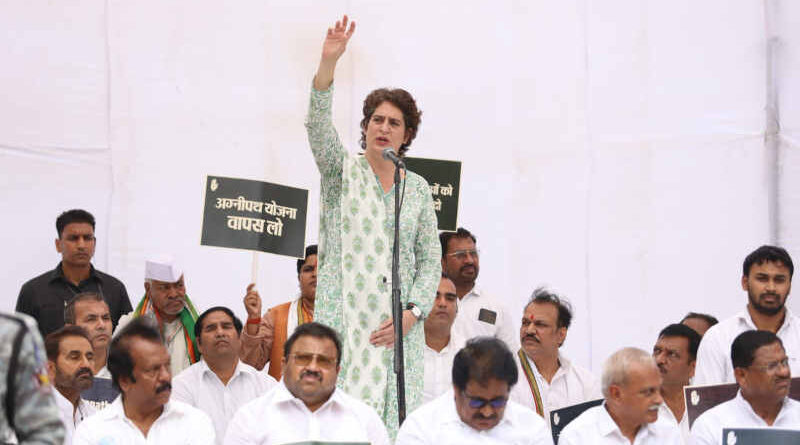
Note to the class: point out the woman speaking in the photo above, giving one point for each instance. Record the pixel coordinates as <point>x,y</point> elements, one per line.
<point>356,236</point>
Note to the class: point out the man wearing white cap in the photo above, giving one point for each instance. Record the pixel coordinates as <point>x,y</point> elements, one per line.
<point>165,300</point>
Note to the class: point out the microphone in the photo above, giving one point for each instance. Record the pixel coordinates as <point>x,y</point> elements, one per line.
<point>389,155</point>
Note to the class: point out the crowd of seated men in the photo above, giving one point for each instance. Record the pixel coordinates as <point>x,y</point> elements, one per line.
<point>163,372</point>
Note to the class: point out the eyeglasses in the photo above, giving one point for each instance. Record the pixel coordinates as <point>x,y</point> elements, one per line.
<point>462,254</point>
<point>305,359</point>
<point>478,402</point>
<point>773,366</point>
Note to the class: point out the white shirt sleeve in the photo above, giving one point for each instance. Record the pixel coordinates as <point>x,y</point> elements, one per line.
<point>202,431</point>
<point>238,429</point>
<point>181,390</point>
<point>711,362</point>
<point>701,434</point>
<point>412,432</point>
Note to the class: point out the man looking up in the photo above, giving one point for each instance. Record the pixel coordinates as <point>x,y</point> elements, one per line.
<point>89,311</point>
<point>263,338</point>
<point>69,364</point>
<point>762,371</point>
<point>165,301</point>
<point>440,345</point>
<point>767,279</point>
<point>477,409</point>
<point>551,380</point>
<point>478,312</point>
<point>675,353</point>
<point>306,405</point>
<point>631,386</point>
<point>219,384</point>
<point>143,413</point>
<point>45,296</point>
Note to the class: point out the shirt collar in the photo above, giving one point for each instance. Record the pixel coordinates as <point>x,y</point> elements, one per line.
<point>745,405</point>
<point>282,395</point>
<point>205,369</point>
<point>744,317</point>
<point>117,410</point>
<point>607,426</point>
<point>58,273</point>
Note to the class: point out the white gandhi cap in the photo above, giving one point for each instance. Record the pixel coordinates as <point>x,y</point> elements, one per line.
<point>162,268</point>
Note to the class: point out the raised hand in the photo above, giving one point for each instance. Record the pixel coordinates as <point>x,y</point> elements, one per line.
<point>333,48</point>
<point>252,302</point>
<point>336,39</point>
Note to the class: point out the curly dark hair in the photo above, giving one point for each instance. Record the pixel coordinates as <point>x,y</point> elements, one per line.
<point>401,99</point>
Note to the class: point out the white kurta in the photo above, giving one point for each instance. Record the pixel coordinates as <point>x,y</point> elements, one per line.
<point>70,416</point>
<point>467,324</point>
<point>277,417</point>
<point>570,385</point>
<point>199,387</point>
<point>179,424</point>
<point>439,369</point>
<point>438,423</point>
<point>595,426</point>
<point>665,415</point>
<point>737,413</point>
<point>714,355</point>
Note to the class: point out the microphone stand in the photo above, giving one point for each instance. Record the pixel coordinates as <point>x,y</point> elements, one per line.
<point>397,305</point>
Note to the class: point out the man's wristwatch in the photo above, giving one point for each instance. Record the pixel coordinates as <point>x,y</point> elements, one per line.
<point>415,311</point>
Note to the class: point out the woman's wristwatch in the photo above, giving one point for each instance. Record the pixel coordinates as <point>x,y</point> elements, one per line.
<point>415,311</point>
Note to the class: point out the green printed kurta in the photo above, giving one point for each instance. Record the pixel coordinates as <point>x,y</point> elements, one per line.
<point>355,257</point>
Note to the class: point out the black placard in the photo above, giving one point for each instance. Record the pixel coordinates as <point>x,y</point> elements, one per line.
<point>254,215</point>
<point>559,418</point>
<point>760,436</point>
<point>444,178</point>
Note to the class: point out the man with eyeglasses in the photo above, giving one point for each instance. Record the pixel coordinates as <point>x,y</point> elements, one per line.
<point>767,279</point>
<point>479,313</point>
<point>762,372</point>
<point>477,410</point>
<point>306,405</point>
<point>219,384</point>
<point>143,413</point>
<point>675,353</point>
<point>631,384</point>
<point>549,380</point>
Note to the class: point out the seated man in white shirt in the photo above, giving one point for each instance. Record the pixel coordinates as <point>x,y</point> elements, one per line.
<point>219,384</point>
<point>631,384</point>
<point>767,278</point>
<point>762,372</point>
<point>479,313</point>
<point>69,365</point>
<point>306,405</point>
<point>89,311</point>
<point>477,409</point>
<point>140,367</point>
<point>550,380</point>
<point>700,322</point>
<point>440,344</point>
<point>675,353</point>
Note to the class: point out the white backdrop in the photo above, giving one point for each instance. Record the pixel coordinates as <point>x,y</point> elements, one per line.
<point>627,153</point>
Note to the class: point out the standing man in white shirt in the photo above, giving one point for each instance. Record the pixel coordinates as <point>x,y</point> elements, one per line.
<point>479,313</point>
<point>219,384</point>
<point>306,405</point>
<point>70,358</point>
<point>631,384</point>
<point>762,372</point>
<point>440,344</point>
<point>549,380</point>
<point>675,353</point>
<point>143,413</point>
<point>767,279</point>
<point>477,409</point>
<point>89,311</point>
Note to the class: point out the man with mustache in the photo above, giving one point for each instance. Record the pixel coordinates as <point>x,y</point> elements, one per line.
<point>675,353</point>
<point>219,384</point>
<point>477,408</point>
<point>70,359</point>
<point>767,278</point>
<point>89,311</point>
<point>762,372</point>
<point>45,296</point>
<point>478,312</point>
<point>143,413</point>
<point>631,385</point>
<point>306,406</point>
<point>165,300</point>
<point>551,380</point>
<point>263,337</point>
<point>440,343</point>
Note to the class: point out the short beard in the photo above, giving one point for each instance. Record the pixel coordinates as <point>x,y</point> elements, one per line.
<point>763,309</point>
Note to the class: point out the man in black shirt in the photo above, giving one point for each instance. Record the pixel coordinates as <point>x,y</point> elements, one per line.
<point>45,296</point>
